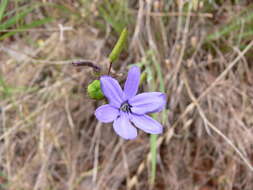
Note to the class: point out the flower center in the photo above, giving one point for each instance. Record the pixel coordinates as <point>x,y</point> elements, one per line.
<point>126,107</point>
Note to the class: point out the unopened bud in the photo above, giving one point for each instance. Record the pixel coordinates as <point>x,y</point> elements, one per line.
<point>94,90</point>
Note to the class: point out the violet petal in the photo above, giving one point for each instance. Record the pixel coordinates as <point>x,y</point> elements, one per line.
<point>132,82</point>
<point>124,128</point>
<point>148,102</point>
<point>106,113</point>
<point>147,124</point>
<point>112,90</point>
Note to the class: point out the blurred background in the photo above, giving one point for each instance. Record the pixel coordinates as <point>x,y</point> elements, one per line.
<point>199,52</point>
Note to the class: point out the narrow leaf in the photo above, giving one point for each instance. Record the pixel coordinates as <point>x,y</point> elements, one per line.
<point>34,24</point>
<point>3,6</point>
<point>13,20</point>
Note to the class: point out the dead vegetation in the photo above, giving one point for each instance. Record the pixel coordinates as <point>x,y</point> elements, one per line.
<point>50,139</point>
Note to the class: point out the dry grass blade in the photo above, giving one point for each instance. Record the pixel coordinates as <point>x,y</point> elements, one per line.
<point>176,14</point>
<point>49,136</point>
<point>201,113</point>
<point>220,77</point>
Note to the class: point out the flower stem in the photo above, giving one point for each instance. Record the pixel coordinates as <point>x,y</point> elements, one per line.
<point>109,70</point>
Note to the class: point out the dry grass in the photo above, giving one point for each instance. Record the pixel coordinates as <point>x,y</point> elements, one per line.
<point>50,139</point>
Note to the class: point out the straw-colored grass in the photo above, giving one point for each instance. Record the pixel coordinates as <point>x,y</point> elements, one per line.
<point>49,136</point>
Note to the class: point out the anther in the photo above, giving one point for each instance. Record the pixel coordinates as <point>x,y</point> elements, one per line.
<point>126,107</point>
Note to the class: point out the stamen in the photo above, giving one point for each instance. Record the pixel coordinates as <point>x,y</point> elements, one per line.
<point>126,107</point>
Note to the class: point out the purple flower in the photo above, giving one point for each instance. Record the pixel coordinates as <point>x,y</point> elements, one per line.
<point>126,109</point>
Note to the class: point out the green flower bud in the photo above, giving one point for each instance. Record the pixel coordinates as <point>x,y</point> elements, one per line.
<point>94,90</point>
<point>119,46</point>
